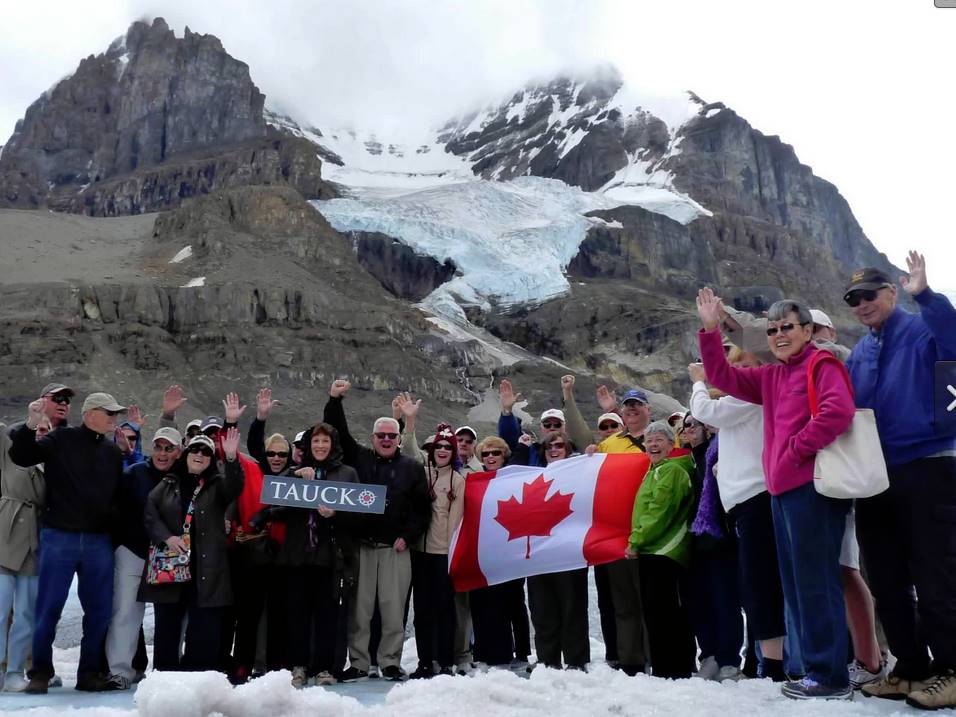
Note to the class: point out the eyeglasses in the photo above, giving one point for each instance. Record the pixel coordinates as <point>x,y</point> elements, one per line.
<point>552,424</point>
<point>783,328</point>
<point>277,454</point>
<point>384,436</point>
<point>60,398</point>
<point>202,450</point>
<point>855,297</point>
<point>163,448</point>
<point>443,447</point>
<point>608,426</point>
<point>495,453</point>
<point>557,445</point>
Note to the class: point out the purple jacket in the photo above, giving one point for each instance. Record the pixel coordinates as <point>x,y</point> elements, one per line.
<point>791,439</point>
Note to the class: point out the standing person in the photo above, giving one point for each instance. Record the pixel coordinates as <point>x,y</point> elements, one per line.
<point>126,622</point>
<point>385,570</point>
<point>82,473</point>
<point>467,438</point>
<point>907,534</point>
<point>660,545</point>
<point>559,601</point>
<point>809,526</point>
<point>186,512</point>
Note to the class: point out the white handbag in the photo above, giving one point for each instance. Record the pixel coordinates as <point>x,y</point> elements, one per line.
<point>852,466</point>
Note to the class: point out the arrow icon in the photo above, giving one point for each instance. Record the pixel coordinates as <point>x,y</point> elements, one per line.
<point>952,406</point>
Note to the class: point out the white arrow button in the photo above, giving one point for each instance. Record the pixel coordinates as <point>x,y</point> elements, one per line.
<point>952,406</point>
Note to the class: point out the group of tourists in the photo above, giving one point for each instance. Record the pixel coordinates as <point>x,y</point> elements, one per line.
<point>736,565</point>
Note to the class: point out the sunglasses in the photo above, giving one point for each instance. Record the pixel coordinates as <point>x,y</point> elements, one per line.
<point>443,446</point>
<point>388,436</point>
<point>495,453</point>
<point>277,454</point>
<point>608,426</point>
<point>783,328</point>
<point>60,398</point>
<point>855,297</point>
<point>556,445</point>
<point>109,413</point>
<point>469,440</point>
<point>552,424</point>
<point>691,426</point>
<point>202,450</point>
<point>131,437</point>
<point>163,448</point>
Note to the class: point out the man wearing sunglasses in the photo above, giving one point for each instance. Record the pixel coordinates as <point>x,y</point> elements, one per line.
<point>130,555</point>
<point>907,534</point>
<point>83,470</point>
<point>385,569</point>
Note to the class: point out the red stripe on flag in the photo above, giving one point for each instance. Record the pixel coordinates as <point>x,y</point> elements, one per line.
<point>464,568</point>
<point>617,484</point>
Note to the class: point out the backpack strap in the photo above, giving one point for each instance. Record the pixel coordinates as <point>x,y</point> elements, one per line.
<point>820,356</point>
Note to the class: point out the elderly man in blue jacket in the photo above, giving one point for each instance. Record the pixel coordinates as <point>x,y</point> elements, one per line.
<point>908,533</point>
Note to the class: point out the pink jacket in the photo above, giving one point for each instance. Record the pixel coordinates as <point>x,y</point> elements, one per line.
<point>791,438</point>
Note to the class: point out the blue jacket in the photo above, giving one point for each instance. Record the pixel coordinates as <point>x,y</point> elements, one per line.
<point>509,430</point>
<point>893,372</point>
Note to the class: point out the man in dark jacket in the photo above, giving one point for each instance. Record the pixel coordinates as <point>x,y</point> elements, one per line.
<point>83,469</point>
<point>385,571</point>
<point>131,552</point>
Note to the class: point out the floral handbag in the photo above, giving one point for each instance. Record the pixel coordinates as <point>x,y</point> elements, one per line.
<point>166,566</point>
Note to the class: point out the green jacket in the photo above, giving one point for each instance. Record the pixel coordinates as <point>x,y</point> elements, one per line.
<point>660,523</point>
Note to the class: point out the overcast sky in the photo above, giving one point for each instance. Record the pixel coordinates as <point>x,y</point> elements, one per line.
<point>863,90</point>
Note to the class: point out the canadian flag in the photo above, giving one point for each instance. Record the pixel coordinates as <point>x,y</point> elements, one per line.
<point>522,520</point>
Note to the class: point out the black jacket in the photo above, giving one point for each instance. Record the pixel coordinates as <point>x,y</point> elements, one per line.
<point>256,445</point>
<point>164,517</point>
<point>82,472</point>
<point>138,482</point>
<point>407,507</point>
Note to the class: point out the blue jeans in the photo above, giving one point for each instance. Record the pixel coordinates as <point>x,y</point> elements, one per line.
<point>64,554</point>
<point>809,529</point>
<point>17,593</point>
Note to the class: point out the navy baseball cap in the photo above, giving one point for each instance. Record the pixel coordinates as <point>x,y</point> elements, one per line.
<point>634,394</point>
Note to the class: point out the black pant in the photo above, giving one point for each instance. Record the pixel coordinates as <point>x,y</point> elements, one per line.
<point>673,650</point>
<point>518,615</point>
<point>713,602</point>
<point>202,635</point>
<point>434,599</point>
<point>277,648</point>
<point>907,538</point>
<point>602,582</point>
<point>559,611</point>
<point>490,617</point>
<point>250,584</point>
<point>312,618</point>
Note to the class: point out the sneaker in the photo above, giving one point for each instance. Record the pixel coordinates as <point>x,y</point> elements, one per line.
<point>14,682</point>
<point>93,682</point>
<point>424,672</point>
<point>299,678</point>
<point>117,682</point>
<point>708,668</point>
<point>939,692</point>
<point>37,685</point>
<point>325,678</point>
<point>353,674</point>
<point>729,672</point>
<point>394,673</point>
<point>893,687</point>
<point>138,677</point>
<point>447,671</point>
<point>374,672</point>
<point>56,681</point>
<point>808,689</point>
<point>860,676</point>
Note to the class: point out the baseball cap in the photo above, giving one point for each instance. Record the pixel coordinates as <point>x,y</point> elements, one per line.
<point>52,388</point>
<point>867,278</point>
<point>197,422</point>
<point>634,394</point>
<point>468,429</point>
<point>610,417</point>
<point>201,440</point>
<point>675,414</point>
<point>820,318</point>
<point>211,421</point>
<point>297,441</point>
<point>168,434</point>
<point>553,413</point>
<point>101,400</point>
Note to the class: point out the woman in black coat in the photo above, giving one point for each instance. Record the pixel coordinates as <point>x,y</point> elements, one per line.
<point>196,480</point>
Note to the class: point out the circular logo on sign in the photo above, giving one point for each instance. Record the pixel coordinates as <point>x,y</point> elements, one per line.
<point>366,498</point>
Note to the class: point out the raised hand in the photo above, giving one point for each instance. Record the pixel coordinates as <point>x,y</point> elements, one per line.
<point>915,283</point>
<point>232,408</point>
<point>35,413</point>
<point>606,399</point>
<point>567,386</point>
<point>408,407</point>
<point>397,406</point>
<point>230,444</point>
<point>307,472</point>
<point>264,403</point>
<point>339,388</point>
<point>525,439</point>
<point>696,372</point>
<point>709,308</point>
<point>507,396</point>
<point>173,399</point>
<point>135,415</point>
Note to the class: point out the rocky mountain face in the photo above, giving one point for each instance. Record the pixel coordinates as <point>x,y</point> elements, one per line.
<point>152,121</point>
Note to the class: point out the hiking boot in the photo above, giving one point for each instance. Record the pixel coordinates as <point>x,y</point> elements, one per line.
<point>708,668</point>
<point>37,685</point>
<point>353,674</point>
<point>938,693</point>
<point>893,687</point>
<point>116,683</point>
<point>394,673</point>
<point>424,672</point>
<point>299,678</point>
<point>325,678</point>
<point>93,682</point>
<point>809,689</point>
<point>447,671</point>
<point>728,672</point>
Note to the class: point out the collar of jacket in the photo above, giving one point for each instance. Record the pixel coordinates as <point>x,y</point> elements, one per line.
<point>90,433</point>
<point>889,326</point>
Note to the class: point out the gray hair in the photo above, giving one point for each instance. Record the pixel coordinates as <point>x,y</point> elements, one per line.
<point>780,309</point>
<point>660,427</point>
<point>386,419</point>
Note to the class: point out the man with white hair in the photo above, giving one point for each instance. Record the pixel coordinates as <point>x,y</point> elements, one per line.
<point>385,569</point>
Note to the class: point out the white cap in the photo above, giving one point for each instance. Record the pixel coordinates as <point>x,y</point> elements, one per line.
<point>168,434</point>
<point>467,429</point>
<point>820,319</point>
<point>610,417</point>
<point>553,413</point>
<point>197,422</point>
<point>298,437</point>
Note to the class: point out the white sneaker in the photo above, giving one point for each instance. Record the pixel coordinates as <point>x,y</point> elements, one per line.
<point>708,669</point>
<point>860,676</point>
<point>325,678</point>
<point>729,672</point>
<point>14,682</point>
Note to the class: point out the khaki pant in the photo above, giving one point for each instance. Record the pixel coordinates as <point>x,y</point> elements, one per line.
<point>462,630</point>
<point>127,618</point>
<point>388,573</point>
<point>628,613</point>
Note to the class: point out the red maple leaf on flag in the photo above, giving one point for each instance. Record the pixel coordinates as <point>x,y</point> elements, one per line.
<point>534,515</point>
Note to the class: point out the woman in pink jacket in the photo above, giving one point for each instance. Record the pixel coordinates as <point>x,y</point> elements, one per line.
<point>809,527</point>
